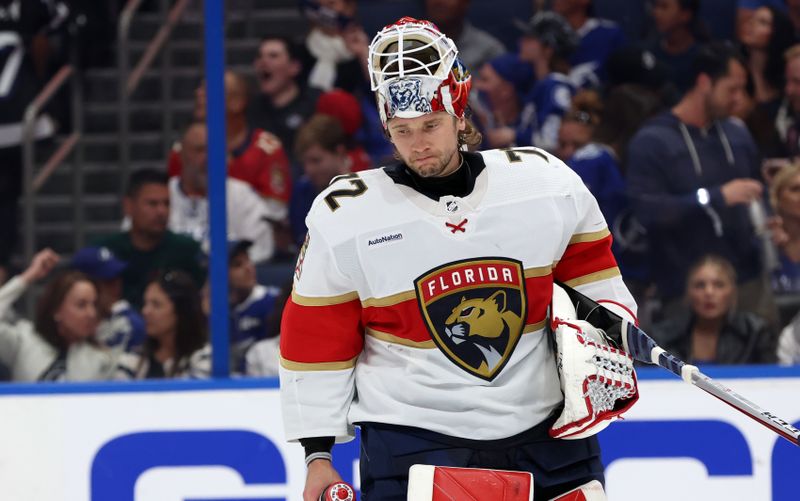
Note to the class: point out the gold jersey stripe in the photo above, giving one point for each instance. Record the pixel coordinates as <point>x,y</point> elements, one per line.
<point>539,271</point>
<point>391,338</point>
<point>534,327</point>
<point>594,277</point>
<point>323,301</point>
<point>589,237</point>
<point>389,300</point>
<point>318,366</point>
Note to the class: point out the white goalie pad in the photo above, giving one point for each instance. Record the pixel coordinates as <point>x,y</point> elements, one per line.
<point>597,379</point>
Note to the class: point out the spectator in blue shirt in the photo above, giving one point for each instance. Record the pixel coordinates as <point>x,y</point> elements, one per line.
<point>692,174</point>
<point>598,39</point>
<point>547,44</point>
<point>251,305</point>
<point>121,326</point>
<point>321,146</point>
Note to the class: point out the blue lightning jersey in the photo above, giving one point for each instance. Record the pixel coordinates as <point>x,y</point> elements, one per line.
<point>249,322</point>
<point>599,38</point>
<point>597,167</point>
<point>541,114</point>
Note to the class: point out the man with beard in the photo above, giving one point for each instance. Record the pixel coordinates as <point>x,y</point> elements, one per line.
<point>148,246</point>
<point>420,298</point>
<point>692,173</point>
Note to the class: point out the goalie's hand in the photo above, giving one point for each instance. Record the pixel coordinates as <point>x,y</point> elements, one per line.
<point>597,379</point>
<point>319,476</point>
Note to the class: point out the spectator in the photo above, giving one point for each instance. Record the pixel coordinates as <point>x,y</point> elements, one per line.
<point>263,359</point>
<point>249,217</point>
<point>598,39</point>
<point>254,156</point>
<point>338,44</point>
<point>502,82</point>
<point>785,200</point>
<point>345,108</point>
<point>788,351</point>
<point>692,173</point>
<point>284,101</point>
<point>547,43</point>
<point>148,246</point>
<point>679,32</point>
<point>746,9</point>
<point>475,46</point>
<point>23,65</point>
<point>787,121</point>
<point>59,345</point>
<point>251,306</point>
<point>321,147</point>
<point>639,67</point>
<point>594,162</point>
<point>766,36</point>
<point>713,331</point>
<point>121,327</point>
<point>176,345</point>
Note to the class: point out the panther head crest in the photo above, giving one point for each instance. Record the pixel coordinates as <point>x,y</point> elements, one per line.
<point>484,323</point>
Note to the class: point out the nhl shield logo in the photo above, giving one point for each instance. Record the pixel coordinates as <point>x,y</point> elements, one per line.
<point>475,311</point>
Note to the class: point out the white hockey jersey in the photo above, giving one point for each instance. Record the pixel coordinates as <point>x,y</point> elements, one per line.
<point>248,217</point>
<point>432,314</point>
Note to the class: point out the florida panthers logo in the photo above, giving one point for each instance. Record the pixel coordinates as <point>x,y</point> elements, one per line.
<point>475,312</point>
<point>406,95</point>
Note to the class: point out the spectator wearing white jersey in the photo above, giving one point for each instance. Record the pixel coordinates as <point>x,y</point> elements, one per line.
<point>249,216</point>
<point>59,344</point>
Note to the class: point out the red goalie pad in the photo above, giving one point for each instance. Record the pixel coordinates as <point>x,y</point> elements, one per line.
<point>441,483</point>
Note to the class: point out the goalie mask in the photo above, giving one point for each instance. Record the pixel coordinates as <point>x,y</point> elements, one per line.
<point>414,70</point>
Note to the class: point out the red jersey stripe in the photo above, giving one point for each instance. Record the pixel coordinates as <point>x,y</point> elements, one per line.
<point>331,333</point>
<point>585,258</point>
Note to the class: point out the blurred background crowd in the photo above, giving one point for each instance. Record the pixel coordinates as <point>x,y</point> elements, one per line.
<point>681,116</point>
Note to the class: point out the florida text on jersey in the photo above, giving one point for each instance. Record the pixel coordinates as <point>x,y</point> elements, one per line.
<point>432,314</point>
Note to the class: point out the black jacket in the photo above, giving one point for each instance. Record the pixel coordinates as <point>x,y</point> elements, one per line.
<point>745,339</point>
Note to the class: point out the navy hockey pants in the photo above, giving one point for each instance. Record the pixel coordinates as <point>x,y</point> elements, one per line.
<point>388,451</point>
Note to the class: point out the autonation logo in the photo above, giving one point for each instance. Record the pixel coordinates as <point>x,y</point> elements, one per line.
<point>394,237</point>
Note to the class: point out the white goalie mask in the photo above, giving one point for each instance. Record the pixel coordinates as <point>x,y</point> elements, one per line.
<point>414,70</point>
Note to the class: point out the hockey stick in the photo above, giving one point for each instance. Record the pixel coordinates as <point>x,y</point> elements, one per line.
<point>643,349</point>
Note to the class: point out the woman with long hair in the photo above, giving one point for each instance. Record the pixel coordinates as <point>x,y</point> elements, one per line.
<point>711,329</point>
<point>59,344</point>
<point>765,37</point>
<point>176,345</point>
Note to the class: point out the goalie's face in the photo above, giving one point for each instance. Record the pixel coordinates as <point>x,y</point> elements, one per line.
<point>711,292</point>
<point>428,145</point>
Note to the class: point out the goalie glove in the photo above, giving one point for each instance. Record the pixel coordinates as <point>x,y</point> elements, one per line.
<point>597,379</point>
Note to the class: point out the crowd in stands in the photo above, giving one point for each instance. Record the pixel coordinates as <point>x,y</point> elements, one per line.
<point>689,143</point>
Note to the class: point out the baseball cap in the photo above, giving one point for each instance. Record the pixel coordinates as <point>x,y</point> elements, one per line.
<point>344,107</point>
<point>636,66</point>
<point>98,262</point>
<point>514,71</point>
<point>552,30</point>
<point>237,246</point>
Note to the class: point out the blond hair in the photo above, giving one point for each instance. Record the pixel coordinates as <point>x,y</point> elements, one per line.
<point>783,177</point>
